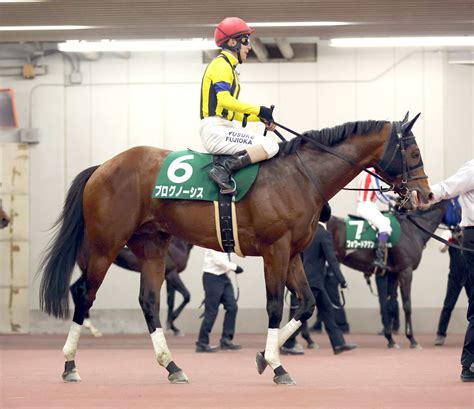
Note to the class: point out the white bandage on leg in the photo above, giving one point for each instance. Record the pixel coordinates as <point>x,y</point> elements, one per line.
<point>162,353</point>
<point>272,354</point>
<point>257,153</point>
<point>287,331</point>
<point>70,347</point>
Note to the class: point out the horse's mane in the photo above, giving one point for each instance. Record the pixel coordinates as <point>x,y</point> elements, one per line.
<point>332,136</point>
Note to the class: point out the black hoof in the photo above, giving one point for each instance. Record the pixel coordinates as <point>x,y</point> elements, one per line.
<point>260,362</point>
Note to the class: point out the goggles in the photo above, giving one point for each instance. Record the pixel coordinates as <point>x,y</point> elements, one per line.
<point>244,40</point>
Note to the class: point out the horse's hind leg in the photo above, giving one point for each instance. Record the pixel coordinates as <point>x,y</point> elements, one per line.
<point>406,277</point>
<point>151,252</point>
<point>78,292</point>
<point>175,284</point>
<point>84,291</point>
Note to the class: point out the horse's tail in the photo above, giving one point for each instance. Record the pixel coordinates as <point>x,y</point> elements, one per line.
<point>60,256</point>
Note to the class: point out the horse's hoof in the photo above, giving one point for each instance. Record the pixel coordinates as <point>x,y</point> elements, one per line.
<point>284,379</point>
<point>260,362</point>
<point>178,333</point>
<point>393,346</point>
<point>416,346</point>
<point>178,377</point>
<point>71,376</point>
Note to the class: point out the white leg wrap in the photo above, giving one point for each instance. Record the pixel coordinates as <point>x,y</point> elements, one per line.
<point>162,353</point>
<point>272,354</point>
<point>287,331</point>
<point>70,347</point>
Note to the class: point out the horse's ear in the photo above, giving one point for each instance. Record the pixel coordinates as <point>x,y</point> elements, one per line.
<point>406,117</point>
<point>406,127</point>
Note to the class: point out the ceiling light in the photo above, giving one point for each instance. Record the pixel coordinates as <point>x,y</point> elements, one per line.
<point>42,28</point>
<point>300,24</point>
<point>145,45</point>
<point>466,41</point>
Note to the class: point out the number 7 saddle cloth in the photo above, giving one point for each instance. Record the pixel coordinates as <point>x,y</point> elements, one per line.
<point>360,234</point>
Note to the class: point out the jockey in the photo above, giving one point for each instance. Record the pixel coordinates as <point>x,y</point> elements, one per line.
<point>219,107</point>
<point>367,209</point>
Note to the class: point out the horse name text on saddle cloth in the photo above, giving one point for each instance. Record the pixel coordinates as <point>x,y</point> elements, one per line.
<point>184,176</point>
<point>361,235</point>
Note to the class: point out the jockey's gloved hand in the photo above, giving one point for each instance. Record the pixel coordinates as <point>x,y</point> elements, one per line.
<point>344,284</point>
<point>239,270</point>
<point>266,114</point>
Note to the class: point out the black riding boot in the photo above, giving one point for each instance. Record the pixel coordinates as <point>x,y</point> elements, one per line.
<point>380,251</point>
<point>222,172</point>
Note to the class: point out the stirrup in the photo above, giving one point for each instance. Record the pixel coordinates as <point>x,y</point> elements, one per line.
<point>229,191</point>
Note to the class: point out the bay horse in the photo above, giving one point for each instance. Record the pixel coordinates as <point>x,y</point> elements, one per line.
<point>402,260</point>
<point>110,206</point>
<point>176,262</point>
<point>4,219</point>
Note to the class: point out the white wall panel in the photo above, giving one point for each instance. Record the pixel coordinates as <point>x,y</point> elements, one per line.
<point>110,122</point>
<point>78,122</point>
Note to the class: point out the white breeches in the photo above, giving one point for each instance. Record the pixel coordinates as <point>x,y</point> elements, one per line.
<point>223,137</point>
<point>369,212</point>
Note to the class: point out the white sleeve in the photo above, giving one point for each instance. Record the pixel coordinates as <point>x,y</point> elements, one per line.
<point>461,182</point>
<point>221,260</point>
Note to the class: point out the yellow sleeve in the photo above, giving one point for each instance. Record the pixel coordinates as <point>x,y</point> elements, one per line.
<point>230,103</point>
<point>222,74</point>
<point>251,118</point>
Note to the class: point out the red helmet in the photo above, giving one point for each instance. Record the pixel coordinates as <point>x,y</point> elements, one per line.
<point>230,27</point>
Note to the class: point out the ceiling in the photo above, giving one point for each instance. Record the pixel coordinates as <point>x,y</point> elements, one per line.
<point>119,19</point>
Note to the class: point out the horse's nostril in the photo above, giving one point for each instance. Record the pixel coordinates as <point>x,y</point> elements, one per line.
<point>430,196</point>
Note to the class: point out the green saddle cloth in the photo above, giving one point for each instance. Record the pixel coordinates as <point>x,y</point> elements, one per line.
<point>184,176</point>
<point>361,235</point>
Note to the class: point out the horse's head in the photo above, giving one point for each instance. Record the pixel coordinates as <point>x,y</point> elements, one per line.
<point>4,219</point>
<point>402,164</point>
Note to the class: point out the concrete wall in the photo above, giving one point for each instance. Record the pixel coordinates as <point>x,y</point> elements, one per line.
<point>153,99</point>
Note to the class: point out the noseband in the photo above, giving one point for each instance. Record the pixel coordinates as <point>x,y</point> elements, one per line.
<point>395,157</point>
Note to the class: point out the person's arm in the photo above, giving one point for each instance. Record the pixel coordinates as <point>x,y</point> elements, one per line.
<point>221,260</point>
<point>461,182</point>
<point>328,250</point>
<point>222,81</point>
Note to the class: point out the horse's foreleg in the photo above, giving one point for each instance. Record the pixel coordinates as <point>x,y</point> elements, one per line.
<point>297,283</point>
<point>276,259</point>
<point>382,291</point>
<point>151,252</point>
<point>406,278</point>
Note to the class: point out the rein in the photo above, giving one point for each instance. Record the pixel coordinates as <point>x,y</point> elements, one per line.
<point>436,237</point>
<point>402,190</point>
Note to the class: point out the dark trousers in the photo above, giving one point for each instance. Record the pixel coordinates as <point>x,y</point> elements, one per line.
<point>467,357</point>
<point>331,284</point>
<point>324,306</point>
<point>218,290</point>
<point>457,279</point>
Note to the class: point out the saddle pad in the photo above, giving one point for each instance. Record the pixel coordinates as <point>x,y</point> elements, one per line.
<point>361,235</point>
<point>184,176</point>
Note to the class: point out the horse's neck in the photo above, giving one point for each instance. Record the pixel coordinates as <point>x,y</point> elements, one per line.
<point>334,173</point>
<point>430,220</point>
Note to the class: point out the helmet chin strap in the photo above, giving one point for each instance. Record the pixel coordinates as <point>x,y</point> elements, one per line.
<point>236,49</point>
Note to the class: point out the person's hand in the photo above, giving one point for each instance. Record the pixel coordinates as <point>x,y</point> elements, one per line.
<point>239,270</point>
<point>270,126</point>
<point>344,284</point>
<point>266,115</point>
